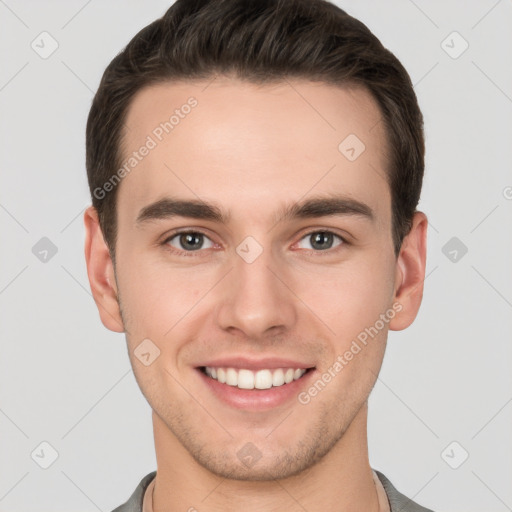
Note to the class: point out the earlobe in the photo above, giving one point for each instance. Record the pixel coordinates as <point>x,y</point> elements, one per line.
<point>410,273</point>
<point>100,271</point>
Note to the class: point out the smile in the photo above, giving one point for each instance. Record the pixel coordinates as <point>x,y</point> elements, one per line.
<point>247,379</point>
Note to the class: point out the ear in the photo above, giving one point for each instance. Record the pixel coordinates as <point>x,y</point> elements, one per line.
<point>410,273</point>
<point>100,271</point>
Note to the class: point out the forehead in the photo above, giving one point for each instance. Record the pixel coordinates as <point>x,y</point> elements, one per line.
<point>237,142</point>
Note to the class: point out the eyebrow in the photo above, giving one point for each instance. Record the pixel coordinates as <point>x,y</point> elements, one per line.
<point>320,206</point>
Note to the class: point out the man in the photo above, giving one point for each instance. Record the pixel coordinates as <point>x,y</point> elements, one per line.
<point>255,169</point>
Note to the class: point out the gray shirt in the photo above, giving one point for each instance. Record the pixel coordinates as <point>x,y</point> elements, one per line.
<point>397,501</point>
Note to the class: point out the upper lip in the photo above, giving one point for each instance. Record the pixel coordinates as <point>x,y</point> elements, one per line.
<point>256,364</point>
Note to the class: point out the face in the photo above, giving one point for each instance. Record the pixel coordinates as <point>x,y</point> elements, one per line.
<point>250,239</point>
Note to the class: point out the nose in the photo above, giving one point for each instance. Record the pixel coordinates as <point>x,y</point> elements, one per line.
<point>256,298</point>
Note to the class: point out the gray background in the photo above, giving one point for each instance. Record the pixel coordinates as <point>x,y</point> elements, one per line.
<point>67,381</point>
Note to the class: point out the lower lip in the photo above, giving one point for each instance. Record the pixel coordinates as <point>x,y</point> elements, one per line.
<point>257,399</point>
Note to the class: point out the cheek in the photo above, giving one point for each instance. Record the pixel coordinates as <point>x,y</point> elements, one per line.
<point>349,298</point>
<point>350,303</point>
<point>156,298</point>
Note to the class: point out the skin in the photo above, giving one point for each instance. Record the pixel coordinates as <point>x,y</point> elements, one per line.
<point>252,149</point>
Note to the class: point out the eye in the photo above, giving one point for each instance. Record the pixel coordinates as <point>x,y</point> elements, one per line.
<point>188,241</point>
<point>321,240</point>
<point>193,241</point>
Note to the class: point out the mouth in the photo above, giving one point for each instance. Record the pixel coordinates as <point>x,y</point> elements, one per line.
<point>258,390</point>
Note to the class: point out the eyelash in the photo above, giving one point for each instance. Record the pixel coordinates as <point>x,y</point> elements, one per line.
<point>173,250</point>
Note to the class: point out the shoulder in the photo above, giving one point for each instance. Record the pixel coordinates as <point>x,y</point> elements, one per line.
<point>397,501</point>
<point>134,503</point>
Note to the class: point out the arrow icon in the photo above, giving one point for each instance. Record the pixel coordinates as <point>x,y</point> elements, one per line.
<point>454,249</point>
<point>247,252</point>
<point>44,455</point>
<point>44,250</point>
<point>146,352</point>
<point>454,45</point>
<point>351,147</point>
<point>454,455</point>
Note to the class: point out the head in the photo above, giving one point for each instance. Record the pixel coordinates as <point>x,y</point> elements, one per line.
<point>288,143</point>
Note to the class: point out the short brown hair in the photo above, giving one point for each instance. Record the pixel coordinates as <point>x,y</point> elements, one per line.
<point>260,41</point>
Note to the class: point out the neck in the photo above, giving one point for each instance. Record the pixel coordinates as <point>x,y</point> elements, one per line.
<point>340,481</point>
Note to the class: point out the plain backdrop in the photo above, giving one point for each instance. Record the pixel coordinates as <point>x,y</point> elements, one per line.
<point>444,395</point>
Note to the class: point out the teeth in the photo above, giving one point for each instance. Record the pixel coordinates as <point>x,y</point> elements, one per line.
<point>231,377</point>
<point>263,379</point>
<point>278,378</point>
<point>247,379</point>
